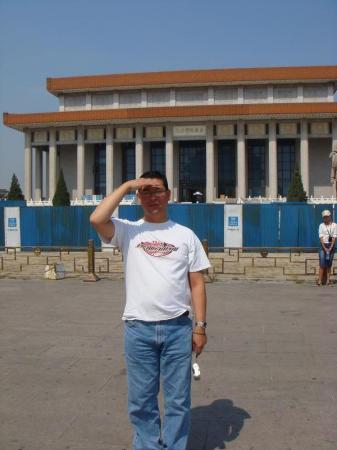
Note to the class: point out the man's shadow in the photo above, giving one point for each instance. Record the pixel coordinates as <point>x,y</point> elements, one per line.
<point>215,424</point>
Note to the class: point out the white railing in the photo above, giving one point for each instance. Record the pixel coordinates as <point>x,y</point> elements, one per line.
<point>89,200</point>
<point>249,200</point>
<point>32,202</point>
<point>132,200</point>
<point>322,200</point>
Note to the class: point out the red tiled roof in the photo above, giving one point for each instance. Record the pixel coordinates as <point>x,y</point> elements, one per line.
<point>192,77</point>
<point>171,113</point>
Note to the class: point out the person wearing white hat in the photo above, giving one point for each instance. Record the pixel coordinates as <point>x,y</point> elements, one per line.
<point>327,235</point>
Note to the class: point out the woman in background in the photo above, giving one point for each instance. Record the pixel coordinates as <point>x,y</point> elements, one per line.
<point>327,235</point>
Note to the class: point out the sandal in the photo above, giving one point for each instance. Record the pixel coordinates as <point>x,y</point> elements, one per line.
<point>318,283</point>
<point>330,283</point>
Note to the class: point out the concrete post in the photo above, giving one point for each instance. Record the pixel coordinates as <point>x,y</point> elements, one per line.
<point>304,156</point>
<point>241,162</point>
<point>28,166</point>
<point>52,163</point>
<point>91,263</point>
<point>139,151</point>
<point>109,160</point>
<point>272,160</point>
<point>169,156</point>
<point>209,164</point>
<point>80,162</point>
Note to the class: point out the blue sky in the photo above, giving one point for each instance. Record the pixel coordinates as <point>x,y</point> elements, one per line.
<point>44,38</point>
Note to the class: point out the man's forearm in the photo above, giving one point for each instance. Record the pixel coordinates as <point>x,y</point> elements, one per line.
<point>199,302</point>
<point>105,209</point>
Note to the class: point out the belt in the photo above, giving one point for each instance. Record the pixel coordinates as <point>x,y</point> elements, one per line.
<point>186,313</point>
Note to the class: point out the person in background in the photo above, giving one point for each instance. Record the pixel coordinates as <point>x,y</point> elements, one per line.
<point>327,235</point>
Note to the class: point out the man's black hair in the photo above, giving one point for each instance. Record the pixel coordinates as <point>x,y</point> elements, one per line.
<point>156,174</point>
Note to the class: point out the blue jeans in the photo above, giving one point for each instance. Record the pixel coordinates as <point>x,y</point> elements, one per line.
<point>157,351</point>
<point>323,263</point>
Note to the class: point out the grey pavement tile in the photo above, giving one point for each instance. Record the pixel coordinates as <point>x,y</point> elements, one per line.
<point>271,355</point>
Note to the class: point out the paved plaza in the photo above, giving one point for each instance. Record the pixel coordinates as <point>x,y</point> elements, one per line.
<point>269,375</point>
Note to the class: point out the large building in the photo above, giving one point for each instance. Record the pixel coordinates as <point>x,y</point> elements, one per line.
<point>225,133</point>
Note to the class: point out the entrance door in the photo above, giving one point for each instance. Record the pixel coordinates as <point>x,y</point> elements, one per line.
<point>192,170</point>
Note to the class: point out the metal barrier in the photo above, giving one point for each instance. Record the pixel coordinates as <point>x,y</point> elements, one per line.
<point>289,263</point>
<point>267,262</point>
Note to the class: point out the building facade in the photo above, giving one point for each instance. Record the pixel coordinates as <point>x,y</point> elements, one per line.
<point>234,133</point>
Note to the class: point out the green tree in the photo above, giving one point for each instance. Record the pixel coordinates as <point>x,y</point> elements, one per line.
<point>296,192</point>
<point>61,197</point>
<point>15,192</point>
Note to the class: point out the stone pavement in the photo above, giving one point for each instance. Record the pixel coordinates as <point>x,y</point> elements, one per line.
<point>269,375</point>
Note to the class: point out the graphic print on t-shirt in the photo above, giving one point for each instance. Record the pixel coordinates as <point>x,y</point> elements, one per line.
<point>157,248</point>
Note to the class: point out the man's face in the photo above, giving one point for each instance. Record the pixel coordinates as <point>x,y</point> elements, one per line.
<point>154,198</point>
<point>326,219</point>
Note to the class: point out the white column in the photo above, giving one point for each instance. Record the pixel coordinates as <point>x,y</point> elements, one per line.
<point>300,94</point>
<point>169,157</point>
<point>61,104</point>
<point>47,174</point>
<point>139,151</point>
<point>241,162</point>
<point>240,95</point>
<point>38,174</point>
<point>334,147</point>
<point>172,97</point>
<point>272,157</point>
<point>334,133</point>
<point>80,162</point>
<point>109,160</point>
<point>304,156</point>
<point>28,166</point>
<point>209,164</point>
<point>211,100</point>
<point>144,99</point>
<point>115,100</point>
<point>88,101</point>
<point>52,163</point>
<point>330,92</point>
<point>270,94</point>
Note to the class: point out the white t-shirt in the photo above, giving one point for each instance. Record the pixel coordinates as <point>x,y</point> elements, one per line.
<point>157,260</point>
<point>325,231</point>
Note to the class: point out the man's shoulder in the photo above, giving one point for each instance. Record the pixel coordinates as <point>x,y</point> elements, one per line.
<point>127,222</point>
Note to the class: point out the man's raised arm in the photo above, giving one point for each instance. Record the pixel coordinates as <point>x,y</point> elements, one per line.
<point>101,217</point>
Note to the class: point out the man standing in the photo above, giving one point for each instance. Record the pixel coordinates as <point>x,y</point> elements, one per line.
<point>163,263</point>
<point>327,235</point>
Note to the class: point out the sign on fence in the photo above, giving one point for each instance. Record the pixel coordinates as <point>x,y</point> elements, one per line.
<point>233,226</point>
<point>12,227</point>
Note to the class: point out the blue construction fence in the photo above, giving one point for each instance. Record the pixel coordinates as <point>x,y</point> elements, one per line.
<point>269,225</point>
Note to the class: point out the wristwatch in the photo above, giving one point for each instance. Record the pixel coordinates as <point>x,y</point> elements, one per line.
<point>201,324</point>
